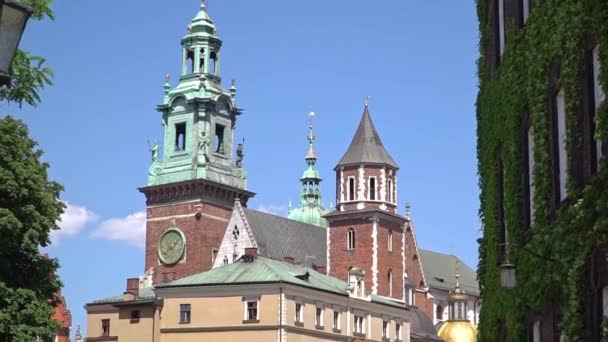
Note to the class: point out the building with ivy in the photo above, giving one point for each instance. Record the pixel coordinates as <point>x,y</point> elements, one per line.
<point>542,131</point>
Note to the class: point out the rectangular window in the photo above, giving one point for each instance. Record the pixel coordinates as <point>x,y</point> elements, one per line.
<point>252,310</point>
<point>385,329</point>
<point>351,188</point>
<point>299,317</point>
<point>501,27</point>
<point>390,241</point>
<point>184,313</point>
<point>135,315</point>
<point>105,327</point>
<point>336,324</point>
<point>219,139</point>
<point>537,332</point>
<point>180,136</point>
<point>359,324</point>
<point>398,331</point>
<point>319,317</point>
<point>390,191</point>
<point>599,97</point>
<point>372,188</point>
<point>562,153</point>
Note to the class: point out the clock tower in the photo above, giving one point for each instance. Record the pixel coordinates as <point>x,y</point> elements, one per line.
<point>191,190</point>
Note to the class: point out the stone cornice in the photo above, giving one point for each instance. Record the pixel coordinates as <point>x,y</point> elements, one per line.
<point>213,192</point>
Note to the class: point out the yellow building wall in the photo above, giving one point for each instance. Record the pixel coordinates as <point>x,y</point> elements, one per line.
<point>120,323</point>
<point>220,311</point>
<point>227,336</point>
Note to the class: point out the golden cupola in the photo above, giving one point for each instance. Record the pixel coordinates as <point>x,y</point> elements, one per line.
<point>458,328</point>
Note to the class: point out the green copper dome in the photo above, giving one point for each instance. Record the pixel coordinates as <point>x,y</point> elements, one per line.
<point>310,210</point>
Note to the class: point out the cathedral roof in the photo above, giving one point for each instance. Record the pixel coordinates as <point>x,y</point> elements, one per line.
<point>279,237</point>
<point>366,146</point>
<point>439,272</point>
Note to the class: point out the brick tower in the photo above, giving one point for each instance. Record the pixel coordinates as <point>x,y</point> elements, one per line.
<point>365,231</point>
<point>191,191</point>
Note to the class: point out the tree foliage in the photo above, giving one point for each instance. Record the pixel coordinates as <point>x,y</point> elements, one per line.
<point>29,209</point>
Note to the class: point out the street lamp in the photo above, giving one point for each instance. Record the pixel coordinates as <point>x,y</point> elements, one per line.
<point>507,276</point>
<point>13,16</point>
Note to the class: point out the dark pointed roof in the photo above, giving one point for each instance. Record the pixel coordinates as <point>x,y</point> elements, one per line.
<point>366,147</point>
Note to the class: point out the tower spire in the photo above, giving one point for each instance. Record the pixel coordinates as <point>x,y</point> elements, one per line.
<point>311,156</point>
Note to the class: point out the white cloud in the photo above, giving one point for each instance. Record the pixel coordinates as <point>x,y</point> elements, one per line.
<point>72,222</point>
<point>276,209</point>
<point>130,229</point>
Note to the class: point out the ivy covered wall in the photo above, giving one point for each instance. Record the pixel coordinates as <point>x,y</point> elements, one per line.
<point>557,32</point>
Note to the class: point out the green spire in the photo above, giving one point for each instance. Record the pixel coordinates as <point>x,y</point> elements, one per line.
<point>310,210</point>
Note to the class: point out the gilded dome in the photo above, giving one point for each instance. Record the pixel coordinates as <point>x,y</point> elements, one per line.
<point>458,331</point>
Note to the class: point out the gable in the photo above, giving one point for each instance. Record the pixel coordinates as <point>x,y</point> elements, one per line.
<point>236,238</point>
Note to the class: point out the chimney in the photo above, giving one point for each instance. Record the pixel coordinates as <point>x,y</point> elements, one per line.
<point>289,260</point>
<point>321,269</point>
<point>133,286</point>
<point>251,251</point>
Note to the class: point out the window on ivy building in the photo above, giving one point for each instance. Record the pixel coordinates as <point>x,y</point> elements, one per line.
<point>524,11</point>
<point>599,97</point>
<point>500,10</point>
<point>530,188</point>
<point>561,165</point>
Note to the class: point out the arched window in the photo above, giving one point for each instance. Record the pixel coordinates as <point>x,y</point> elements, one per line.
<point>213,63</point>
<point>390,241</point>
<point>372,188</point>
<point>390,282</point>
<point>439,313</point>
<point>351,188</point>
<point>350,239</point>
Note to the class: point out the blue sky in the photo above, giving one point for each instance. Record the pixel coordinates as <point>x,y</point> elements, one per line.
<point>415,58</point>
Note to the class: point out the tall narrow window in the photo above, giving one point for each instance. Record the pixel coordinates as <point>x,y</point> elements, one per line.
<point>299,315</point>
<point>319,317</point>
<point>390,282</point>
<point>219,139</point>
<point>105,327</point>
<point>184,313</point>
<point>359,324</point>
<point>390,241</point>
<point>525,11</point>
<point>180,136</point>
<point>531,165</point>
<point>562,153</point>
<point>190,61</point>
<point>350,239</point>
<point>599,96</point>
<point>501,27</point>
<point>389,191</point>
<point>398,331</point>
<point>336,320</point>
<point>385,329</point>
<point>351,188</point>
<point>212,63</point>
<point>605,301</point>
<point>536,332</point>
<point>372,188</point>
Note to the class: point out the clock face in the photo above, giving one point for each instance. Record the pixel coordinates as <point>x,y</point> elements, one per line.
<point>171,246</point>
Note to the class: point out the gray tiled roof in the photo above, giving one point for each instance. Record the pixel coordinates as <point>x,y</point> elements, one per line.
<point>279,237</point>
<point>366,146</point>
<point>439,272</point>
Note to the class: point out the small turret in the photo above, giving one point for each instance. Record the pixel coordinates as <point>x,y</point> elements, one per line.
<point>310,210</point>
<point>458,328</point>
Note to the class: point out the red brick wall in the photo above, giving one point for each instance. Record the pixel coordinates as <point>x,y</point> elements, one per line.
<point>341,259</point>
<point>202,236</point>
